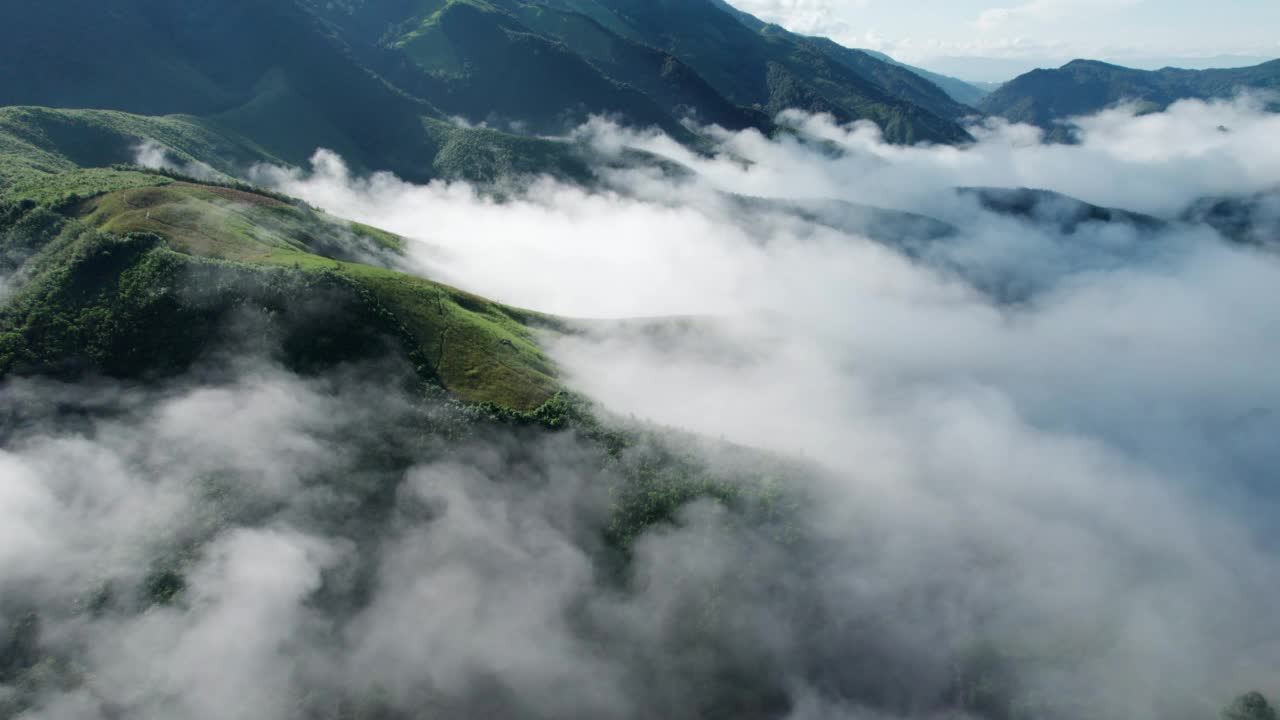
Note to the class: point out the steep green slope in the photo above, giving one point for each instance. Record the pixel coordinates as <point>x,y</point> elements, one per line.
<point>515,58</point>
<point>264,69</point>
<point>660,75</point>
<point>481,63</point>
<point>532,66</point>
<point>250,79</point>
<point>37,141</point>
<point>946,97</point>
<point>905,83</point>
<point>899,81</point>
<point>377,80</point>
<point>150,278</point>
<point>746,63</point>
<point>1083,87</point>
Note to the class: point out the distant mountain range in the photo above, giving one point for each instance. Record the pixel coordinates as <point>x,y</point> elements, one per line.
<point>1082,87</point>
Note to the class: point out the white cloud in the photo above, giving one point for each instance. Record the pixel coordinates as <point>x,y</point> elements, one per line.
<point>1046,437</point>
<point>829,18</point>
<point>1044,11</point>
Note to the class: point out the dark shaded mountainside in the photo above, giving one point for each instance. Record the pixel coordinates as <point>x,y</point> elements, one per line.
<point>245,80</point>
<point>379,80</point>
<point>1045,98</point>
<point>543,64</point>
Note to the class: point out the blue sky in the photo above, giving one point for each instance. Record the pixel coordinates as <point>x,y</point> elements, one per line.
<point>1141,32</point>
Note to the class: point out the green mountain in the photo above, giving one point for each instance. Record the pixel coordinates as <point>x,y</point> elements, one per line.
<point>479,62</point>
<point>265,77</point>
<point>146,284</point>
<point>263,70</point>
<point>899,80</point>
<point>152,278</point>
<point>105,289</point>
<point>127,286</point>
<point>658,74</point>
<point>767,67</point>
<point>903,81</point>
<point>547,64</point>
<point>1082,87</point>
<point>93,245</point>
<point>379,80</point>
<point>527,67</point>
<point>102,261</point>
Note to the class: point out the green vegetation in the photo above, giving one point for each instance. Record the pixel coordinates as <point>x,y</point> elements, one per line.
<point>111,269</point>
<point>152,274</point>
<point>223,88</point>
<point>897,80</point>
<point>49,153</point>
<point>547,65</point>
<point>38,142</point>
<point>1046,97</point>
<point>474,60</point>
<point>143,280</point>
<point>740,57</point>
<point>262,70</point>
<point>137,273</point>
<point>226,86</point>
<point>670,82</point>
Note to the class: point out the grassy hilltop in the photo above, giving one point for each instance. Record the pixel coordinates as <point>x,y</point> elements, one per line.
<point>103,256</point>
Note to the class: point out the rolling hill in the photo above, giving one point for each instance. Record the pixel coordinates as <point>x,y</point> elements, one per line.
<point>105,287</point>
<point>102,260</point>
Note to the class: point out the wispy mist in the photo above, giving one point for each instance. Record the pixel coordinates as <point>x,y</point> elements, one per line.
<point>1038,449</point>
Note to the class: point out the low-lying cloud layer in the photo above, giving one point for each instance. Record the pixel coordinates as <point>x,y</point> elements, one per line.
<point>1043,444</point>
